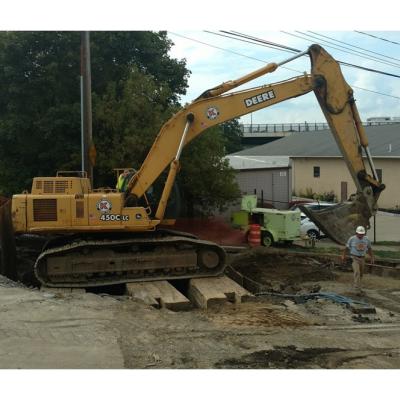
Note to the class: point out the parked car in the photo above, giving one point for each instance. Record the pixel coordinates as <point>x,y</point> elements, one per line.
<point>315,205</point>
<point>307,227</point>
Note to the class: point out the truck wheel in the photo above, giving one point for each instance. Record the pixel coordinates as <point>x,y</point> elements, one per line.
<point>267,239</point>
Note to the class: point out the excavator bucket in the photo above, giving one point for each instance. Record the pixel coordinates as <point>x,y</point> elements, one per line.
<point>7,241</point>
<point>340,222</point>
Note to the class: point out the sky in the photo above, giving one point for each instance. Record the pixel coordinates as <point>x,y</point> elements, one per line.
<point>265,19</point>
<point>187,23</point>
<point>213,59</point>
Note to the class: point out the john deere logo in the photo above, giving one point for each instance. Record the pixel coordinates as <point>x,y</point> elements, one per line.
<point>104,206</point>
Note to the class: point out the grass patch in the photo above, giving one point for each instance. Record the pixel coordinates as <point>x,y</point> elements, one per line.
<point>387,254</point>
<point>319,250</point>
<point>386,243</point>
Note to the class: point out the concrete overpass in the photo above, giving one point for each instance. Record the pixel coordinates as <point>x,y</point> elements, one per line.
<point>257,134</point>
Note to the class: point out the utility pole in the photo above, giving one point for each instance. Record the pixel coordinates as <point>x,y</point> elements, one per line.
<point>88,148</point>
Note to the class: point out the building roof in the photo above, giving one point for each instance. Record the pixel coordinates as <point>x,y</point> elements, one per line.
<point>384,141</point>
<point>243,162</point>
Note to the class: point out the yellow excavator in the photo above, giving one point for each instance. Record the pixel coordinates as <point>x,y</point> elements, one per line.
<point>101,237</point>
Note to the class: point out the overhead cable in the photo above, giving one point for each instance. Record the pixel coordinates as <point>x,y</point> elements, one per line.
<point>368,69</point>
<point>374,91</point>
<point>357,47</point>
<point>336,48</point>
<point>276,45</point>
<point>377,37</point>
<point>296,50</point>
<point>229,35</point>
<point>229,51</point>
<point>354,52</point>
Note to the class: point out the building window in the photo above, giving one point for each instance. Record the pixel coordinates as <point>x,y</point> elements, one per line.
<point>379,173</point>
<point>316,172</point>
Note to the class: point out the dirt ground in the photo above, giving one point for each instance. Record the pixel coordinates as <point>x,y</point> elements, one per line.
<point>281,329</point>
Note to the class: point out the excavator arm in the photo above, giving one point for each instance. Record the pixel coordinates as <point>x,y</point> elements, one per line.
<point>215,106</point>
<point>336,100</point>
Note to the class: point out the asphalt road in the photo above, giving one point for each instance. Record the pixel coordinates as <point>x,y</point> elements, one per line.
<point>387,227</point>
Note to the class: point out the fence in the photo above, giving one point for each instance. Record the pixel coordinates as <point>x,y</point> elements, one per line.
<point>261,129</point>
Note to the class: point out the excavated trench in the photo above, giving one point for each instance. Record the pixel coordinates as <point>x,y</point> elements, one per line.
<point>274,270</point>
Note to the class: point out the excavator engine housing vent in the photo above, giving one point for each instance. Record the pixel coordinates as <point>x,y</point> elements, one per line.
<point>45,210</point>
<point>48,187</point>
<point>61,186</point>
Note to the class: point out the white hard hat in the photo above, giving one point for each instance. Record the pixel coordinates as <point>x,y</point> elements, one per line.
<point>360,230</point>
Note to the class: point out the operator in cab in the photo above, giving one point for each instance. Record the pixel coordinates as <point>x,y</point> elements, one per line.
<point>358,246</point>
<point>123,180</point>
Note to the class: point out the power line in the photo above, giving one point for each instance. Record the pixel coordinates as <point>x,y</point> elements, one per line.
<point>357,47</point>
<point>336,48</point>
<point>373,91</point>
<point>274,47</point>
<point>229,51</point>
<point>215,47</point>
<point>279,46</point>
<point>257,59</point>
<point>368,69</point>
<point>259,42</point>
<point>354,52</point>
<point>377,37</point>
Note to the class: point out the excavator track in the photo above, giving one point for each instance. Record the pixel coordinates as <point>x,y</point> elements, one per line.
<point>93,262</point>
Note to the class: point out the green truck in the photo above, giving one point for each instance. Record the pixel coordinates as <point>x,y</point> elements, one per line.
<point>277,226</point>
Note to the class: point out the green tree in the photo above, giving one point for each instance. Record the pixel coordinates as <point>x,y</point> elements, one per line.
<point>115,54</point>
<point>40,93</point>
<point>39,105</point>
<point>127,119</point>
<point>207,181</point>
<point>232,135</point>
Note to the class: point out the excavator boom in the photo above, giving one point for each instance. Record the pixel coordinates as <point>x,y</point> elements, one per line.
<point>208,112</point>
